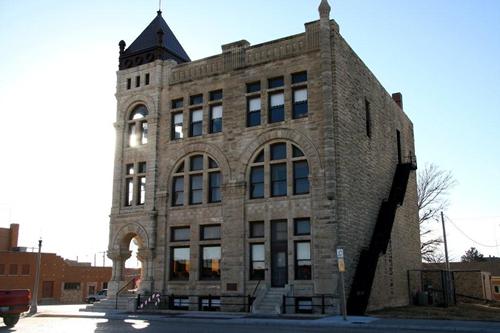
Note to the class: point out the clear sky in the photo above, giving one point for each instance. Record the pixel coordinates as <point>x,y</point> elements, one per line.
<point>57,83</point>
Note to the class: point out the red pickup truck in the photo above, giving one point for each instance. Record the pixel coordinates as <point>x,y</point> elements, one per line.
<point>12,304</point>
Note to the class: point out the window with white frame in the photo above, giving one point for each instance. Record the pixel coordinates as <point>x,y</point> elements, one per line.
<point>138,127</point>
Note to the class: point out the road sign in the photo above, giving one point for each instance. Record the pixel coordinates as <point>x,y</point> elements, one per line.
<point>341,265</point>
<point>340,253</point>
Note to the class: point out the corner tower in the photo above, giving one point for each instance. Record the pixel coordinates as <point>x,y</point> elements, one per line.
<point>144,69</point>
<point>156,42</point>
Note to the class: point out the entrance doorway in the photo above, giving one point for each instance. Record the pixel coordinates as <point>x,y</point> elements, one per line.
<point>279,253</point>
<point>47,289</point>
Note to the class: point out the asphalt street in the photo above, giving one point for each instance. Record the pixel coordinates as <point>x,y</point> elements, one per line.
<point>89,325</point>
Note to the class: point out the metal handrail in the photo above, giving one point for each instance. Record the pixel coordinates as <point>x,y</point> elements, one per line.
<point>119,291</point>
<point>256,287</point>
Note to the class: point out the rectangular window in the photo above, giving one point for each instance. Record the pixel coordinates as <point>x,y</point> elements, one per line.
<point>257,262</point>
<point>144,132</point>
<point>196,128</point>
<point>132,135</point>
<point>209,304</point>
<point>253,111</point>
<point>216,119</point>
<point>276,107</point>
<point>299,77</point>
<point>210,232</point>
<point>275,82</point>
<point>180,234</point>
<point>142,167</point>
<point>129,83</point>
<point>177,123</point>
<point>302,260</point>
<point>130,169</point>
<point>257,182</point>
<point>181,303</point>
<point>210,265</point>
<point>196,99</point>
<point>141,197</point>
<point>300,177</point>
<point>129,191</point>
<point>196,163</point>
<point>214,194</point>
<point>137,81</point>
<point>177,103</point>
<point>368,119</point>
<point>196,189</point>
<point>253,87</point>
<point>146,79</point>
<point>303,305</point>
<point>25,270</point>
<point>300,107</point>
<point>278,180</point>
<point>2,269</point>
<point>278,151</point>
<point>497,289</point>
<point>257,229</point>
<point>71,285</point>
<point>13,269</point>
<point>178,191</point>
<point>302,227</point>
<point>180,263</point>
<point>216,95</point>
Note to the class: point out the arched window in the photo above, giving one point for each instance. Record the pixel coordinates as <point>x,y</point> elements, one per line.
<point>278,169</point>
<point>138,127</point>
<point>197,180</point>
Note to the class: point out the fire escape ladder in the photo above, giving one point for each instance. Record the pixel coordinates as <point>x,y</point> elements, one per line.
<point>368,258</point>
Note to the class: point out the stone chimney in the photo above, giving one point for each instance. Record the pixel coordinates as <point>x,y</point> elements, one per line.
<point>398,98</point>
<point>14,235</point>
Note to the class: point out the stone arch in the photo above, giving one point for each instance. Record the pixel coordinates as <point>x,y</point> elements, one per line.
<point>130,103</point>
<point>202,148</point>
<point>122,238</point>
<point>286,134</point>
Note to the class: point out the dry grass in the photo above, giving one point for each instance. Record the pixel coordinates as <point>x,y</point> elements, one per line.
<point>459,312</point>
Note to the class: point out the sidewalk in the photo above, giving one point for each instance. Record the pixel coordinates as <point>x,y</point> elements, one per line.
<point>283,320</point>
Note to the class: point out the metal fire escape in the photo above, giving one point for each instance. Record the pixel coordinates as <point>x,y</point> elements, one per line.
<point>368,259</point>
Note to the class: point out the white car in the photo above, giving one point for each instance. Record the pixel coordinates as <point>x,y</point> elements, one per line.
<point>97,297</point>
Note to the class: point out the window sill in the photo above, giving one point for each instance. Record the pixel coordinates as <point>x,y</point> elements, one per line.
<point>206,205</point>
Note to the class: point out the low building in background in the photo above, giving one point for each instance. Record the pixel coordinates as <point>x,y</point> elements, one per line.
<point>61,281</point>
<point>473,280</point>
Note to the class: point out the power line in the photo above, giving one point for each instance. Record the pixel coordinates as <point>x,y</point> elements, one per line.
<point>467,236</point>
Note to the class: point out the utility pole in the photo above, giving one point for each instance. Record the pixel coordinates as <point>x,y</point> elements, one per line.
<point>34,299</point>
<point>449,289</point>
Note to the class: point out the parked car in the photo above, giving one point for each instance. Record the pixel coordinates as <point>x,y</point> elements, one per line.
<point>97,296</point>
<point>12,304</point>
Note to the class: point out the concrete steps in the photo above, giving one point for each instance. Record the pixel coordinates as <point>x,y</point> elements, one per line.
<point>109,304</point>
<point>271,302</point>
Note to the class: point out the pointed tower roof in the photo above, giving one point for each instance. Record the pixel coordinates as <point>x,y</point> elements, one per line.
<point>157,41</point>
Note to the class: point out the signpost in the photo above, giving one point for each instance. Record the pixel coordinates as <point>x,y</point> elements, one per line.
<point>341,266</point>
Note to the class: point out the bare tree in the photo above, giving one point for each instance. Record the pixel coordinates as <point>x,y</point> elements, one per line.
<point>433,185</point>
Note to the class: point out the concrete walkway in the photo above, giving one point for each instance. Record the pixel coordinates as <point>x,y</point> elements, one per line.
<point>73,311</point>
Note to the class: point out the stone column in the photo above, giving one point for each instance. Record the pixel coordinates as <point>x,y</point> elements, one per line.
<point>146,256</point>
<point>118,271</point>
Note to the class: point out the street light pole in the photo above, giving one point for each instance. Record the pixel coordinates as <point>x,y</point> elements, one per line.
<point>34,300</point>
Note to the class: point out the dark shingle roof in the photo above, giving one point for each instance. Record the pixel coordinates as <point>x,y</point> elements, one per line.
<point>149,38</point>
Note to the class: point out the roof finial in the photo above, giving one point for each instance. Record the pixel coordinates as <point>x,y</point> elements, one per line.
<point>324,9</point>
<point>159,7</point>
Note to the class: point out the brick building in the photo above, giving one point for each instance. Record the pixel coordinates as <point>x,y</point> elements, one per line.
<point>61,281</point>
<point>246,170</point>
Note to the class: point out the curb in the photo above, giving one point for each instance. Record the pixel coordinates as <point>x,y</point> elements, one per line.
<point>277,322</point>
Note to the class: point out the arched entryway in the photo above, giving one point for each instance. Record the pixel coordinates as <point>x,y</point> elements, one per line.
<point>120,252</point>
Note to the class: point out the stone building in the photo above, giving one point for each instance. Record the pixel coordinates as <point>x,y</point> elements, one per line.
<point>243,172</point>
